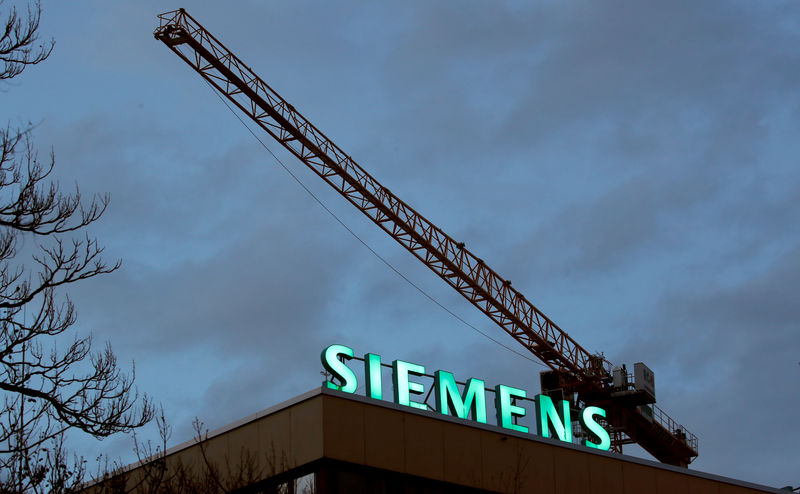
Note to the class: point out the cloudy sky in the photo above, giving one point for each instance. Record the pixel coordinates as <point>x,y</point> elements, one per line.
<point>630,166</point>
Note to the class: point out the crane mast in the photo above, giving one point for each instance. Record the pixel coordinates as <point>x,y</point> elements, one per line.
<point>581,375</point>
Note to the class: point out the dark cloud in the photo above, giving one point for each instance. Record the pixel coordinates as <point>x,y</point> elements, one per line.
<point>630,166</point>
<point>733,348</point>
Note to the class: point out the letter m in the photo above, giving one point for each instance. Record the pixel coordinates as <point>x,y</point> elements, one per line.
<point>450,402</point>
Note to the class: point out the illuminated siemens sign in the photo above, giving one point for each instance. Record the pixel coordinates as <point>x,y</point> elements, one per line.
<point>552,419</point>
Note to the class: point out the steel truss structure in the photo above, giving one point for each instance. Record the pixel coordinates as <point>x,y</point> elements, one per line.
<point>579,371</point>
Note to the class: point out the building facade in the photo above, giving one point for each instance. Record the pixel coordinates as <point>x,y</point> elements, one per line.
<point>327,441</point>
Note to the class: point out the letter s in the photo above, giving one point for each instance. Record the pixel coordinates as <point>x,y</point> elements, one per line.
<point>596,431</point>
<point>338,368</point>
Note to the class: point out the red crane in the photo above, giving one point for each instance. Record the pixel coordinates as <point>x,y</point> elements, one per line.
<point>575,375</point>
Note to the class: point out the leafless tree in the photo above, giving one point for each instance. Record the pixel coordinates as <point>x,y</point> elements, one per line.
<point>19,45</point>
<point>50,379</point>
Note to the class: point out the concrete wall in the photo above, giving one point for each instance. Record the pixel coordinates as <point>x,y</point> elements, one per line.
<point>441,448</point>
<point>331,425</point>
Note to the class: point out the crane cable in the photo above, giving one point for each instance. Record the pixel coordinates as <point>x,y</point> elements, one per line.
<point>357,237</point>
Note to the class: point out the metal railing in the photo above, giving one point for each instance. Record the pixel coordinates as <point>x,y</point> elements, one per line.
<point>676,429</point>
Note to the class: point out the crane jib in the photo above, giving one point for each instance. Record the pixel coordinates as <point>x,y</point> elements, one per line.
<point>586,374</point>
<point>554,347</point>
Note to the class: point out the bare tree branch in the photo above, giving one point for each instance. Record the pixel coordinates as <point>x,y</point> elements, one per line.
<point>19,43</point>
<point>49,383</point>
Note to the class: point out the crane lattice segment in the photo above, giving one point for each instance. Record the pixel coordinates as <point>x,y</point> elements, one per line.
<point>450,259</point>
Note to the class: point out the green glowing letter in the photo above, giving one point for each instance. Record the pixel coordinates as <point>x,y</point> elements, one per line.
<point>545,409</point>
<point>372,372</point>
<point>596,431</point>
<point>448,397</point>
<point>403,388</point>
<point>505,410</point>
<point>339,370</point>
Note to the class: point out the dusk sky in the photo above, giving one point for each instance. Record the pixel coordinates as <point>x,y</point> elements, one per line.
<point>632,167</point>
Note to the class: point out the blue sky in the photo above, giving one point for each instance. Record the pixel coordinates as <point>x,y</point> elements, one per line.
<point>631,167</point>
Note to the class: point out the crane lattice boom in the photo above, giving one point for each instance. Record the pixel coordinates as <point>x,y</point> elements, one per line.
<point>581,371</point>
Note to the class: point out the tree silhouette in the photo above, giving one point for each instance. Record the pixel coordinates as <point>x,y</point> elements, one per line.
<point>50,380</point>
